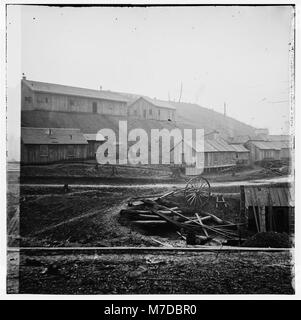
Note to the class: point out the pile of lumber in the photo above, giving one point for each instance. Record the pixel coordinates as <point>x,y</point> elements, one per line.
<point>153,210</point>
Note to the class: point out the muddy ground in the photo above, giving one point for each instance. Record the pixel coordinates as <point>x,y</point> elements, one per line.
<point>90,217</point>
<point>82,217</point>
<point>168,273</point>
<point>87,171</point>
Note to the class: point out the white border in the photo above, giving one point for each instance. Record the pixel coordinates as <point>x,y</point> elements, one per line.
<point>3,294</point>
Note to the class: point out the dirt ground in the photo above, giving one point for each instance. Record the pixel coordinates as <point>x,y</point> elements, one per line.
<point>90,217</point>
<point>82,217</point>
<point>139,173</point>
<point>168,273</point>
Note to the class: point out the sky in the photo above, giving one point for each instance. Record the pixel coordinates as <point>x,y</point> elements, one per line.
<point>237,55</point>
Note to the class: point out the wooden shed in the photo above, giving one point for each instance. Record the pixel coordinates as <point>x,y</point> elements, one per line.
<point>242,154</point>
<point>263,150</point>
<point>218,155</point>
<point>151,109</point>
<point>268,208</point>
<point>94,141</point>
<point>46,145</point>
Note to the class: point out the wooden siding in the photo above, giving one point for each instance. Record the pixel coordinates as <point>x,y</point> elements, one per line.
<point>55,102</point>
<point>27,97</point>
<point>92,148</point>
<point>142,109</point>
<point>257,154</point>
<point>52,153</point>
<point>68,103</point>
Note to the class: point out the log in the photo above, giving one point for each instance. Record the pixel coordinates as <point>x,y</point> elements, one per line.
<point>148,222</point>
<point>134,212</point>
<point>147,217</point>
<point>201,223</point>
<point>167,203</point>
<point>162,244</point>
<point>215,218</point>
<point>180,234</point>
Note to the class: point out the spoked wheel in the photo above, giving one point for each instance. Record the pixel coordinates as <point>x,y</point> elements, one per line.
<point>197,192</point>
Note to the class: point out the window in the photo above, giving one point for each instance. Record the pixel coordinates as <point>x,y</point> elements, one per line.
<point>135,112</point>
<point>28,99</point>
<point>46,99</point>
<point>159,113</point>
<point>70,151</point>
<point>150,112</point>
<point>144,114</point>
<point>71,102</point>
<point>43,151</point>
<point>94,107</point>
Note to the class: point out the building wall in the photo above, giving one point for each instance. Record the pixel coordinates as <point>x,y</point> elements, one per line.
<point>27,97</point>
<point>243,156</point>
<point>51,153</point>
<point>285,153</point>
<point>142,109</point>
<point>219,159</point>
<point>92,148</point>
<point>257,154</point>
<point>66,103</point>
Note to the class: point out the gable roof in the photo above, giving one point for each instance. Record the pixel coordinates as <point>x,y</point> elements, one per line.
<point>239,139</point>
<point>73,91</point>
<point>271,145</point>
<point>31,135</point>
<point>239,148</point>
<point>156,103</point>
<point>217,145</point>
<point>279,137</point>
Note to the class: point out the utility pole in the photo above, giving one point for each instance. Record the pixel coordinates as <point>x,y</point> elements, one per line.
<point>225,109</point>
<point>181,92</point>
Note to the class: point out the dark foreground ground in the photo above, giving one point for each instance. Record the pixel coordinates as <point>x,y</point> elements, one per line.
<point>168,273</point>
<point>45,216</point>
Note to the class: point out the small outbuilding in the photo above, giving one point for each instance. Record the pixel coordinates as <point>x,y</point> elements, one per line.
<point>152,109</point>
<point>268,150</point>
<point>268,208</point>
<point>218,155</point>
<point>46,145</point>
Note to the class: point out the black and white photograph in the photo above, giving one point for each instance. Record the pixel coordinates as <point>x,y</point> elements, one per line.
<point>149,149</point>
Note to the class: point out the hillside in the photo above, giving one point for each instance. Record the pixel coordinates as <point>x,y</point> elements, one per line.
<point>188,116</point>
<point>91,123</point>
<point>211,120</point>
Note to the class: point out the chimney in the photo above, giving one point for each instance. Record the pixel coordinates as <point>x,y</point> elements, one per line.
<point>23,76</point>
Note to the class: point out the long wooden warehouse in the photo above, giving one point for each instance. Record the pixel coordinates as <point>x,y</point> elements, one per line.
<point>46,145</point>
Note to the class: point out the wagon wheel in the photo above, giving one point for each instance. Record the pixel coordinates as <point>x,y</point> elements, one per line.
<point>197,192</point>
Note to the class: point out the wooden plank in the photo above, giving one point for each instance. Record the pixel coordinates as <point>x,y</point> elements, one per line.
<point>255,217</point>
<point>201,223</point>
<point>262,224</point>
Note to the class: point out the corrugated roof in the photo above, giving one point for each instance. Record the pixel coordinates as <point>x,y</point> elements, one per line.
<point>239,148</point>
<point>158,103</point>
<point>265,196</point>
<point>52,136</point>
<point>271,145</point>
<point>74,91</point>
<point>279,137</point>
<point>94,137</point>
<point>217,145</point>
<point>239,139</point>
